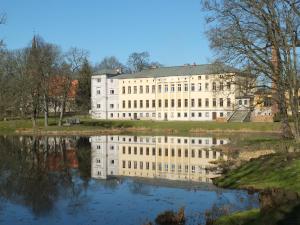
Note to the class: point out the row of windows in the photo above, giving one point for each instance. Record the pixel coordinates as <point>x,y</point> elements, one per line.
<point>172,115</point>
<point>180,103</point>
<point>172,88</point>
<point>163,167</point>
<point>172,152</point>
<point>167,140</point>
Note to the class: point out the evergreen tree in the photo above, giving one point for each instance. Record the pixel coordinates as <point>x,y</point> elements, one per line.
<point>83,96</point>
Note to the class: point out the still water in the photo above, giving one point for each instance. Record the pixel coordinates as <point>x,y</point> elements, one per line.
<point>113,179</point>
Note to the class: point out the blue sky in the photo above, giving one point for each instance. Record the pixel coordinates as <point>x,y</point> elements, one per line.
<point>172,31</point>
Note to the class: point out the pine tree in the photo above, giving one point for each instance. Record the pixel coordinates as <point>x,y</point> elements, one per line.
<point>83,96</point>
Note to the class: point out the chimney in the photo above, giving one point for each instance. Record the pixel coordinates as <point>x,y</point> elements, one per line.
<point>119,70</point>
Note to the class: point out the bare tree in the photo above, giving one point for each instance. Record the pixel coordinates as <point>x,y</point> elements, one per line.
<point>262,37</point>
<point>111,63</point>
<point>138,61</point>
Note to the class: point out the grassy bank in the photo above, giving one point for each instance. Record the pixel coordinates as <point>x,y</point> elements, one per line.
<point>279,171</point>
<point>90,125</point>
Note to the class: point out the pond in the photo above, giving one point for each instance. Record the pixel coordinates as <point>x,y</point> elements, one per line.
<point>112,179</point>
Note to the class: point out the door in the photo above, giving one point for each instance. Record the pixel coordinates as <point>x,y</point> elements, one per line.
<point>135,116</point>
<point>214,115</point>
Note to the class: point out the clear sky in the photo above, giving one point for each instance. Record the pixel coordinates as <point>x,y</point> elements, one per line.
<point>172,31</point>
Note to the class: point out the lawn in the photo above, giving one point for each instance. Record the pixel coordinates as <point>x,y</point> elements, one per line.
<point>88,124</point>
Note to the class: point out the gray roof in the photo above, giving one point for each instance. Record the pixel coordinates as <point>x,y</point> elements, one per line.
<point>204,69</point>
<point>106,72</point>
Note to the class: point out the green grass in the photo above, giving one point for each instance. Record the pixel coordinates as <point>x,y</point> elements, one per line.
<point>160,126</point>
<point>273,171</point>
<point>245,217</point>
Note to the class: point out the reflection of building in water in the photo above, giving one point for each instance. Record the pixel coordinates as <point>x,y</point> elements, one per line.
<point>175,158</point>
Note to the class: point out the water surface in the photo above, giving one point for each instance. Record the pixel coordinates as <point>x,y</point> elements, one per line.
<point>111,179</point>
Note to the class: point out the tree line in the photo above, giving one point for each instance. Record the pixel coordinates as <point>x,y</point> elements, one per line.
<point>38,80</point>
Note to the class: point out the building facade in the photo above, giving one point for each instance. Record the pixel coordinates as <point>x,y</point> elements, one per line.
<point>171,158</point>
<point>193,92</point>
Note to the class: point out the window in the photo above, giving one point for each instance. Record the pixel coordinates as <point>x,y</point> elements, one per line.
<point>112,92</point>
<point>199,87</point>
<point>179,152</point>
<point>228,102</point>
<point>135,89</point>
<point>166,152</point>
<point>199,114</point>
<point>98,92</point>
<point>159,103</point>
<point>123,90</point>
<point>214,86</point>
<point>221,114</point>
<point>129,104</point>
<point>199,102</point>
<point>129,90</point>
<point>178,115</point>
<point>111,106</point>
<point>172,87</point>
<point>214,102</point>
<point>179,87</point>
<point>147,89</point>
<point>186,87</point>
<point>206,86</point>
<point>221,102</point>
<point>221,86</point>
<point>141,103</point>
<point>206,77</point>
<point>153,103</point>
<point>228,85</point>
<point>192,102</point>
<point>98,106</point>
<point>147,104</point>
<point>166,103</point>
<point>141,89</point>
<point>166,88</point>
<point>153,88</point>
<point>159,88</point>
<point>206,102</point>
<point>185,114</point>
<point>124,164</point>
<point>199,77</point>
<point>245,102</point>
<point>240,102</point>
<point>179,103</point>
<point>135,103</point>
<point>193,114</point>
<point>186,103</point>
<point>186,153</point>
<point>172,103</point>
<point>141,150</point>
<point>124,114</point>
<point>99,80</point>
<point>192,87</point>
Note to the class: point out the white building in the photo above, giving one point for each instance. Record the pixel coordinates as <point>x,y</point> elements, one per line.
<point>193,92</point>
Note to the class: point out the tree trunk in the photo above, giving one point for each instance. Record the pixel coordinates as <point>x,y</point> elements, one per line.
<point>62,110</point>
<point>46,111</point>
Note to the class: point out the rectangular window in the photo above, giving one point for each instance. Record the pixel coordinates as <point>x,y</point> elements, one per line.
<point>186,103</point>
<point>112,92</point>
<point>166,88</point>
<point>141,89</point>
<point>228,102</point>
<point>123,90</point>
<point>129,104</point>
<point>186,87</point>
<point>214,86</point>
<point>99,80</point>
<point>228,85</point>
<point>166,152</point>
<point>159,103</point>
<point>147,89</point>
<point>206,102</point>
<point>172,103</point>
<point>199,114</point>
<point>153,103</point>
<point>166,103</point>
<point>141,103</point>
<point>206,86</point>
<point>179,87</point>
<point>221,102</point>
<point>111,106</point>
<point>129,90</point>
<point>153,88</point>
<point>172,87</point>
<point>147,104</point>
<point>192,102</point>
<point>135,104</point>
<point>214,102</point>
<point>199,87</point>
<point>135,89</point>
<point>98,106</point>
<point>199,102</point>
<point>221,86</point>
<point>192,87</point>
<point>159,88</point>
<point>179,103</point>
<point>98,92</point>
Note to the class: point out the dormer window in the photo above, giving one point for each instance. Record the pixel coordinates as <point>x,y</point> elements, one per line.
<point>99,80</point>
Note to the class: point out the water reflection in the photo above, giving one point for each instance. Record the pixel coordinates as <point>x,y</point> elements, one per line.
<point>47,180</point>
<point>173,158</point>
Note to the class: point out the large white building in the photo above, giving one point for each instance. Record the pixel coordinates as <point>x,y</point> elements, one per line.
<point>192,92</point>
